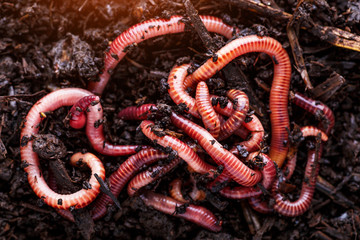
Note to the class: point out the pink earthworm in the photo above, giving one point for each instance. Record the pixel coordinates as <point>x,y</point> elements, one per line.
<point>76,113</point>
<point>298,207</point>
<point>145,30</point>
<point>280,87</point>
<point>182,149</point>
<point>193,213</point>
<point>268,175</point>
<point>241,107</point>
<point>208,115</point>
<point>81,198</point>
<point>122,175</point>
<point>238,171</point>
<point>49,103</point>
<point>146,177</point>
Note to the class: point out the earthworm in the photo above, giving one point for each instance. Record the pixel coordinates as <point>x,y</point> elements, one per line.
<point>268,175</point>
<point>95,134</point>
<point>259,205</point>
<point>144,178</point>
<point>238,171</point>
<point>178,94</point>
<point>145,30</point>
<point>208,115</point>
<point>317,108</point>
<point>308,131</point>
<point>242,132</point>
<point>182,149</point>
<point>30,159</point>
<point>280,87</point>
<point>76,113</point>
<point>137,113</point>
<point>177,90</point>
<point>122,175</point>
<point>290,165</point>
<point>257,134</point>
<point>219,183</point>
<point>298,207</point>
<point>241,107</point>
<point>141,113</point>
<point>80,198</point>
<point>193,213</point>
<point>175,191</point>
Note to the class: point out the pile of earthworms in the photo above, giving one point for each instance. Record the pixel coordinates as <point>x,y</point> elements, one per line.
<point>259,176</point>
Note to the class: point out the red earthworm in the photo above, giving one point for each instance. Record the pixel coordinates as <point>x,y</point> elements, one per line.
<point>220,182</point>
<point>292,209</point>
<point>183,150</point>
<point>95,134</point>
<point>280,87</point>
<point>177,91</point>
<point>146,177</point>
<point>50,102</point>
<point>241,105</point>
<point>145,30</point>
<point>196,194</point>
<point>137,113</point>
<point>178,94</point>
<point>76,113</point>
<point>289,167</point>
<point>259,205</point>
<point>208,115</point>
<point>317,108</point>
<point>238,171</point>
<point>306,131</point>
<point>122,175</point>
<point>268,172</point>
<point>175,191</point>
<point>257,134</point>
<point>193,213</point>
<point>255,126</point>
<point>243,132</point>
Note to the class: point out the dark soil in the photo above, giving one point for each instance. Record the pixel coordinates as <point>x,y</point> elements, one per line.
<point>46,45</point>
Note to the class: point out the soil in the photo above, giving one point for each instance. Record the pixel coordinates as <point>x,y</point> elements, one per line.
<point>47,45</point>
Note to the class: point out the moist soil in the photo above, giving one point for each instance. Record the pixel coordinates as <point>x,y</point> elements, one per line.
<point>47,45</point>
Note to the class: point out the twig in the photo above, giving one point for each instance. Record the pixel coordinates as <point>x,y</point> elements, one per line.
<point>295,46</point>
<point>335,36</point>
<point>199,26</point>
<point>106,190</point>
<point>21,95</point>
